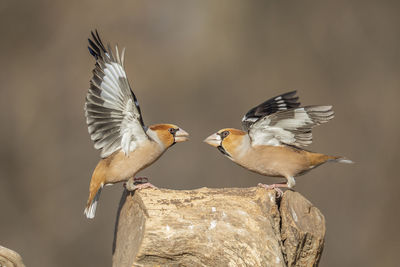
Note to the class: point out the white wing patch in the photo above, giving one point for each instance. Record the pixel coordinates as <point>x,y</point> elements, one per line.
<point>131,133</point>
<point>300,119</point>
<point>291,126</point>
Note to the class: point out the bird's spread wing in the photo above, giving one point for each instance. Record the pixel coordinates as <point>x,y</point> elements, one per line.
<point>278,103</point>
<point>112,110</point>
<point>288,125</point>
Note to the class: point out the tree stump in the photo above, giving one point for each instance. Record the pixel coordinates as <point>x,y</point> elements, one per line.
<point>217,227</point>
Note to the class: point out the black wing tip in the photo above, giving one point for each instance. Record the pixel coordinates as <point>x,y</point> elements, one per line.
<point>290,98</point>
<point>93,53</point>
<point>270,106</point>
<point>96,46</point>
<point>291,95</point>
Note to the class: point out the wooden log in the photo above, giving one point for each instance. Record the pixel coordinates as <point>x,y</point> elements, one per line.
<point>302,230</point>
<point>217,227</point>
<point>10,258</point>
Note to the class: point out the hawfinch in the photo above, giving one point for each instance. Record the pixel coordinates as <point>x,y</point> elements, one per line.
<point>273,133</point>
<point>116,125</point>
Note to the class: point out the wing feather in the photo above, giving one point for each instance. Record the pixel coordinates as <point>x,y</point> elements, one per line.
<point>112,110</point>
<point>278,103</point>
<point>291,126</point>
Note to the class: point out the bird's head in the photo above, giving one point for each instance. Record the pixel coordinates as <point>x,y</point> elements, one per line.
<point>226,140</point>
<point>169,134</point>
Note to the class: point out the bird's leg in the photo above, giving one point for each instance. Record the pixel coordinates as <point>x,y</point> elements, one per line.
<point>138,183</point>
<point>275,187</point>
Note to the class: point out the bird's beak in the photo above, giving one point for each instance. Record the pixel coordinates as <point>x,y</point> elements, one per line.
<point>181,136</point>
<point>213,140</point>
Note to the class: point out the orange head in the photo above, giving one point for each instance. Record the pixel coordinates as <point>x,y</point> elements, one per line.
<point>169,134</point>
<point>226,140</point>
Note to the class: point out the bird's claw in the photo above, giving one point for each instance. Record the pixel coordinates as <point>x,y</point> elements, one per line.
<point>272,186</point>
<point>141,180</point>
<point>138,183</point>
<point>144,185</point>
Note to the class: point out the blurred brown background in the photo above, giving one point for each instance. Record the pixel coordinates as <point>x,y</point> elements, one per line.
<point>201,65</point>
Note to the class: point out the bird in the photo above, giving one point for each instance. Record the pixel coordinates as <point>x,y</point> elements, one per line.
<point>272,140</point>
<point>115,125</point>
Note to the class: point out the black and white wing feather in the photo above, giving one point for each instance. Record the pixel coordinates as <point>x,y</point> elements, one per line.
<point>289,123</point>
<point>111,109</point>
<point>281,102</point>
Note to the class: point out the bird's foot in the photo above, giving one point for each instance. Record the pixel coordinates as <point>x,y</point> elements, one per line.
<point>141,180</point>
<point>144,185</point>
<point>275,187</point>
<point>138,183</point>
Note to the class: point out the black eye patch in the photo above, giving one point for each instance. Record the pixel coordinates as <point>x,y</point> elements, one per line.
<point>224,134</point>
<point>172,131</point>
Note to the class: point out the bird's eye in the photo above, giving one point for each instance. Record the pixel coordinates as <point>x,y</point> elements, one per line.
<point>224,134</point>
<point>172,130</point>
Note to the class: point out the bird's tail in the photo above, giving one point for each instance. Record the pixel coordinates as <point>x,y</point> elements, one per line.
<point>340,160</point>
<point>317,159</point>
<point>91,205</point>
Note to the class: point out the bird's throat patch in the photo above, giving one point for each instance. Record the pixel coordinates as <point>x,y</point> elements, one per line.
<point>223,151</point>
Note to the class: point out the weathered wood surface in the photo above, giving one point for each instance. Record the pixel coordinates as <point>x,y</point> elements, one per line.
<point>217,227</point>
<point>10,258</point>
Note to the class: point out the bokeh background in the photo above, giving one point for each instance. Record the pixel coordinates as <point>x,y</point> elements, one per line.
<point>201,65</point>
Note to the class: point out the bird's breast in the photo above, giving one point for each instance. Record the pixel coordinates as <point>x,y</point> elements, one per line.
<point>122,166</point>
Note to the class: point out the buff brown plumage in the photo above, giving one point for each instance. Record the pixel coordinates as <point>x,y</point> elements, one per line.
<point>116,126</point>
<point>272,136</point>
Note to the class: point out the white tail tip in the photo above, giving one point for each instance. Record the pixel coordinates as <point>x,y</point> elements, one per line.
<point>344,160</point>
<point>90,210</point>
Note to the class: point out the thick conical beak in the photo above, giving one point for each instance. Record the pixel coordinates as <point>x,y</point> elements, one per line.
<point>213,140</point>
<point>181,136</point>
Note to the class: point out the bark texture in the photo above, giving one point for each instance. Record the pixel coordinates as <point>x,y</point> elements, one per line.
<point>10,258</point>
<point>217,227</point>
